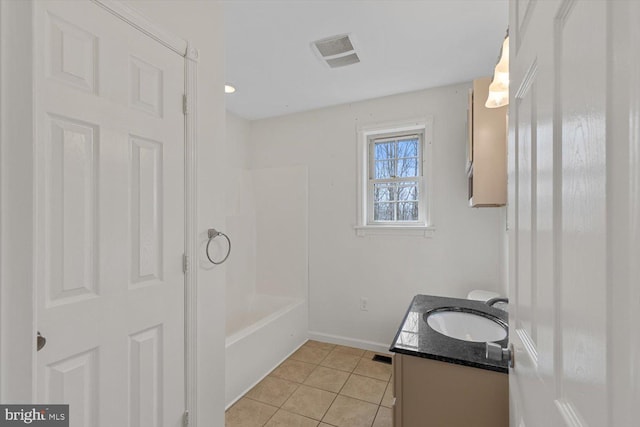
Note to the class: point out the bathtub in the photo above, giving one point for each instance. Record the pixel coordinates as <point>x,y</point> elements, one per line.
<point>260,336</point>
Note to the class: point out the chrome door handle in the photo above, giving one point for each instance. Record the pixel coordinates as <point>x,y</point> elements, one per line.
<point>495,352</point>
<point>41,341</point>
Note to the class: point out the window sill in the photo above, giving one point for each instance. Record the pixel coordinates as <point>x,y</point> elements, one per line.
<point>395,230</point>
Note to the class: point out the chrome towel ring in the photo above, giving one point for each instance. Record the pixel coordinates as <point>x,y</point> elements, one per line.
<point>213,233</point>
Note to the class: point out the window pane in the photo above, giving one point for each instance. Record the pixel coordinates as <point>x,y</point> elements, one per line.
<point>383,211</point>
<point>407,167</point>
<point>383,192</point>
<point>408,193</point>
<point>408,147</point>
<point>384,169</point>
<point>407,211</point>
<point>394,175</point>
<point>384,150</point>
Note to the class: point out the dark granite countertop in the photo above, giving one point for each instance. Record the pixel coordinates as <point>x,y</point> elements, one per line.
<point>416,338</point>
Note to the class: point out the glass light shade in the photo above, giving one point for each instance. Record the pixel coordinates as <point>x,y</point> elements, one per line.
<point>497,99</point>
<point>499,87</point>
<point>229,88</point>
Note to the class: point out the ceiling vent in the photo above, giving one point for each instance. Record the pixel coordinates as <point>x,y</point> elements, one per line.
<point>336,51</point>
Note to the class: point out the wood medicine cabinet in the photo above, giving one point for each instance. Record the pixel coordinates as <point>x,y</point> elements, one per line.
<point>486,149</point>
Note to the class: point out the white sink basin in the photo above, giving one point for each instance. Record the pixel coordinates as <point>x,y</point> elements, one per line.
<point>466,326</point>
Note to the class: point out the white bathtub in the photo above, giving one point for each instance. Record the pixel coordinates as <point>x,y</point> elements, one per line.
<point>260,336</point>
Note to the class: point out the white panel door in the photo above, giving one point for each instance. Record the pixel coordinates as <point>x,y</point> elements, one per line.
<point>573,212</point>
<point>109,219</point>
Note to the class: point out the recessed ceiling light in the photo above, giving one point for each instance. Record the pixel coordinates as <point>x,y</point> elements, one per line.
<point>229,88</point>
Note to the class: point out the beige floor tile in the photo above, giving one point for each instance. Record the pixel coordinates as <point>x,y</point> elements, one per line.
<point>383,418</point>
<point>350,350</point>
<point>327,379</point>
<point>284,418</point>
<point>364,388</point>
<point>272,390</point>
<point>310,354</point>
<point>325,425</point>
<point>340,360</point>
<point>248,413</point>
<point>377,370</point>
<point>293,370</point>
<point>387,399</point>
<point>348,412</point>
<point>310,402</point>
<point>368,355</point>
<point>323,345</point>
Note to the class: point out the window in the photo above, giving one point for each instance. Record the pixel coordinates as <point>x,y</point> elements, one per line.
<point>395,168</point>
<point>393,184</point>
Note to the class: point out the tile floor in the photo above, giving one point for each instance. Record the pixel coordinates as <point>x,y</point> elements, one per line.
<point>319,385</point>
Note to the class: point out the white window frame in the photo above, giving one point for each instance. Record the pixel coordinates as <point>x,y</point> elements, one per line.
<point>372,140</point>
<point>364,223</point>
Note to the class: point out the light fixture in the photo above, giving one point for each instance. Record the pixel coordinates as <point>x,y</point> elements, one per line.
<point>229,88</point>
<point>499,87</point>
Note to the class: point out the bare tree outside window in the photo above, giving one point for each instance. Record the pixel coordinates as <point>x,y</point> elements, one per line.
<point>395,173</point>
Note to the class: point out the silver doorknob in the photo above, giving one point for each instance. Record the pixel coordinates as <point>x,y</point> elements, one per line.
<point>41,341</point>
<point>496,352</point>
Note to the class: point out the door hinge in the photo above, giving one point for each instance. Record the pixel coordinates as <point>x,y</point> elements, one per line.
<point>185,263</point>
<point>185,419</point>
<point>185,105</point>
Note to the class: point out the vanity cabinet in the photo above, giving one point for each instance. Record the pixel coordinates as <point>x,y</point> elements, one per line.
<point>440,394</point>
<point>486,149</point>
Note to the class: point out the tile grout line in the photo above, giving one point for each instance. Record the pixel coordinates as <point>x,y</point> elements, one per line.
<point>328,367</point>
<point>336,396</point>
<point>341,388</point>
<point>351,373</point>
<point>316,365</point>
<point>302,383</point>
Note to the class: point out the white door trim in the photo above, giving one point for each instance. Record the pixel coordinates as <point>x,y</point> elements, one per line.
<point>138,21</point>
<point>17,287</point>
<point>17,302</point>
<point>191,243</point>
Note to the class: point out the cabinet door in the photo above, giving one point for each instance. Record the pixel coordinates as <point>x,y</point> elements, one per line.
<point>488,175</point>
<point>441,394</point>
<point>397,390</point>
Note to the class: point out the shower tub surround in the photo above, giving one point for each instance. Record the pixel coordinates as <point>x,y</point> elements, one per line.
<point>259,339</point>
<point>267,275</point>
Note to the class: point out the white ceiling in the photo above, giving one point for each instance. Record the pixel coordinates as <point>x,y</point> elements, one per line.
<point>403,45</point>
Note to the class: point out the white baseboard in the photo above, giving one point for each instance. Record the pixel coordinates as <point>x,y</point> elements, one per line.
<point>351,342</point>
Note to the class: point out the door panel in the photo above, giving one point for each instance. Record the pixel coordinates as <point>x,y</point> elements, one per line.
<point>531,244</point>
<point>146,210</point>
<point>583,317</point>
<point>71,178</point>
<point>110,219</point>
<point>572,200</point>
<point>73,381</point>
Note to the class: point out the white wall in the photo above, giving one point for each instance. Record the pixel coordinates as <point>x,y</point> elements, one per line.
<point>201,23</point>
<point>466,251</point>
<point>281,196</point>
<point>241,216</point>
<point>267,222</point>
